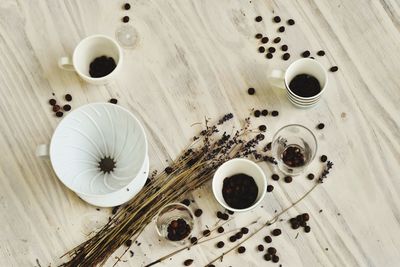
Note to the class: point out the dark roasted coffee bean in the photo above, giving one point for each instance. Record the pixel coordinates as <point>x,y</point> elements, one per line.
<point>67,107</point>
<point>113,101</point>
<point>198,212</point>
<point>267,257</point>
<point>59,114</point>
<point>219,214</point>
<point>276,232</point>
<point>220,229</point>
<point>284,47</point>
<point>288,179</point>
<point>262,128</point>
<point>193,240</point>
<point>259,36</point>
<point>168,170</point>
<point>277,19</point>
<point>260,248</point>
<point>186,202</point>
<point>52,102</point>
<point>305,217</point>
<point>274,113</point>
<point>238,235</point>
<point>244,230</point>
<point>232,238</point>
<point>269,55</point>
<point>299,218</point>
<point>321,126</point>
<point>251,91</point>
<point>241,249</point>
<point>264,112</point>
<point>334,69</point>
<point>277,40</point>
<point>290,22</point>
<point>321,53</point>
<point>303,224</point>
<point>323,158</point>
<point>224,216</point>
<point>281,29</point>
<point>125,19</point>
<point>271,49</point>
<point>275,177</point>
<point>270,188</point>
<point>220,244</point>
<point>264,40</point>
<point>310,176</point>
<point>127,6</point>
<point>293,220</point>
<point>275,258</point>
<point>258,18</point>
<point>56,108</point>
<point>295,225</point>
<point>188,262</point>
<point>206,232</point>
<point>271,250</point>
<point>68,97</point>
<point>257,113</point>
<point>307,229</point>
<point>286,56</point>
<point>261,49</point>
<point>268,239</point>
<point>305,53</point>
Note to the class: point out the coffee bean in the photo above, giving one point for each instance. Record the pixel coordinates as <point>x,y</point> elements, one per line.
<point>295,225</point>
<point>267,257</point>
<point>225,217</point>
<point>264,40</point>
<point>260,247</point>
<point>127,6</point>
<point>268,239</point>
<point>321,53</point>
<point>206,232</point>
<point>67,107</point>
<point>220,229</point>
<point>261,49</point>
<point>264,112</point>
<point>241,249</point>
<point>193,240</point>
<point>303,224</point>
<point>186,202</point>
<point>275,258</point>
<point>310,176</point>
<point>258,18</point>
<point>269,55</point>
<point>257,113</point>
<point>219,214</point>
<point>281,29</point>
<point>271,49</point>
<point>251,91</point>
<point>56,108</point>
<point>238,235</point>
<point>125,19</point>
<point>284,47</point>
<point>232,238</point>
<point>220,244</point>
<point>270,188</point>
<point>277,40</point>
<point>271,250</point>
<point>299,218</point>
<point>286,56</point>
<point>59,114</point>
<point>113,101</point>
<point>288,179</point>
<point>290,22</point>
<point>306,53</point>
<point>188,262</point>
<point>52,102</point>
<point>277,19</point>
<point>262,128</point>
<point>244,230</point>
<point>321,126</point>
<point>128,243</point>
<point>307,229</point>
<point>305,217</point>
<point>334,69</point>
<point>275,177</point>
<point>276,232</point>
<point>68,97</point>
<point>274,113</point>
<point>198,212</point>
<point>259,36</point>
<point>323,158</point>
<point>168,170</point>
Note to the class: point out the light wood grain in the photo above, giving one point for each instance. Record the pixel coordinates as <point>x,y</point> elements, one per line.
<point>196,59</point>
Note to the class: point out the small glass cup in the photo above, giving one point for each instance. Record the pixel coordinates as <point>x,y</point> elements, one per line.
<point>298,141</point>
<point>170,212</point>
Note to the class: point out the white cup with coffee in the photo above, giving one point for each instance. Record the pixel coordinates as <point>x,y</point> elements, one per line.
<point>305,81</point>
<point>96,59</point>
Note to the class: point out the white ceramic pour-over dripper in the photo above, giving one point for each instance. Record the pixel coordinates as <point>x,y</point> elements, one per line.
<point>91,133</point>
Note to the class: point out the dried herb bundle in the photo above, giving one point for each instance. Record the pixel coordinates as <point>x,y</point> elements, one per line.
<point>192,169</point>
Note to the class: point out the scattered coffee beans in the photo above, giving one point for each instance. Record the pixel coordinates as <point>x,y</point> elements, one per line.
<point>277,40</point>
<point>206,232</point>
<point>271,49</point>
<point>334,69</point>
<point>290,22</point>
<point>241,249</point>
<point>193,240</point>
<point>264,112</point>
<point>288,179</point>
<point>68,97</point>
<point>277,19</point>
<point>220,244</point>
<point>267,257</point>
<point>259,36</point>
<point>257,113</point>
<point>262,128</point>
<point>220,230</point>
<point>198,212</point>
<point>276,232</point>
<point>274,113</point>
<point>238,235</point>
<point>275,258</point>
<point>67,107</point>
<point>306,53</point>
<point>307,229</point>
<point>251,91</point>
<point>281,29</point>
<point>321,53</point>
<point>178,230</point>
<point>59,114</point>
<point>125,19</point>
<point>188,262</point>
<point>271,250</point>
<point>284,47</point>
<point>286,56</point>
<point>244,230</point>
<point>323,158</point>
<point>260,248</point>
<point>270,188</point>
<point>258,18</point>
<point>261,49</point>
<point>113,101</point>
<point>275,177</point>
<point>264,40</point>
<point>56,108</point>
<point>269,55</point>
<point>127,6</point>
<point>232,238</point>
<point>239,191</point>
<point>268,239</point>
<point>186,202</point>
<point>52,102</point>
<point>310,176</point>
<point>321,126</point>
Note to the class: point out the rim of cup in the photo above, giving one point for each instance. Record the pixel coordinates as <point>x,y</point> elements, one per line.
<point>118,64</point>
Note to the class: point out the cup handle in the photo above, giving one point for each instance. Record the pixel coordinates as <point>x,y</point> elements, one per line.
<point>65,63</point>
<point>277,78</point>
<point>42,151</point>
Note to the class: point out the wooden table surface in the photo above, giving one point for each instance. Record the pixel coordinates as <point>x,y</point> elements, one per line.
<point>195,59</point>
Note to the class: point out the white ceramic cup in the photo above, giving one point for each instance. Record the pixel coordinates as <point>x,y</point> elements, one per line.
<point>308,66</point>
<point>86,51</point>
<point>236,166</point>
<point>85,137</point>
